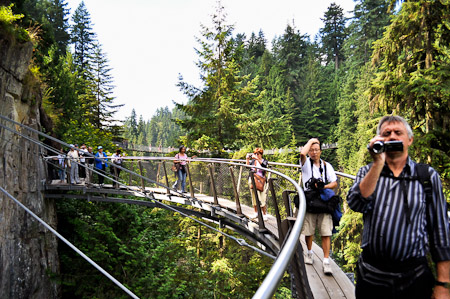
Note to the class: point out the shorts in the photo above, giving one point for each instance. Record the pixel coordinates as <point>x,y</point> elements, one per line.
<point>323,222</point>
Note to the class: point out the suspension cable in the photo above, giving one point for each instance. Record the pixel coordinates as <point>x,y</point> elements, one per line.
<point>268,287</point>
<point>69,244</point>
<point>241,242</point>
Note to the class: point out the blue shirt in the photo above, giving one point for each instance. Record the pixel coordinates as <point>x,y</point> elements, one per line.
<point>98,162</point>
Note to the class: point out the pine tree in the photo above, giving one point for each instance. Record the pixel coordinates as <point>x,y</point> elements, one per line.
<point>333,34</point>
<point>103,108</point>
<point>83,40</point>
<point>213,112</point>
<point>57,16</point>
<point>368,24</point>
<point>413,76</point>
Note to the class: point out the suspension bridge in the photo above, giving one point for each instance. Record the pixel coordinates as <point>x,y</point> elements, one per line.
<point>218,193</point>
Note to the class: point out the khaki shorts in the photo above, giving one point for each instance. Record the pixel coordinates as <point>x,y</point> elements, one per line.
<point>323,222</point>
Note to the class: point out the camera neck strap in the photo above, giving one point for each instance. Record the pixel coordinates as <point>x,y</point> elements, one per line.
<point>320,169</point>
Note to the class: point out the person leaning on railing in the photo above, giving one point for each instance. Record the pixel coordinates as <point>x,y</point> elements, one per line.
<point>101,165</point>
<point>405,217</point>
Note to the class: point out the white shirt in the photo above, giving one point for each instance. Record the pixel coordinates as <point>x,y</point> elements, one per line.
<point>306,172</point>
<point>116,158</point>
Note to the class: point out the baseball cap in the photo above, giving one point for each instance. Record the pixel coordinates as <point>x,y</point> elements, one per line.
<point>100,147</point>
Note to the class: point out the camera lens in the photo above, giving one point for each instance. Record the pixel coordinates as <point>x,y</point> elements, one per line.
<point>378,147</point>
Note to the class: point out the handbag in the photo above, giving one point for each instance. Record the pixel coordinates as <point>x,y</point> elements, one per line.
<point>259,182</point>
<point>176,166</point>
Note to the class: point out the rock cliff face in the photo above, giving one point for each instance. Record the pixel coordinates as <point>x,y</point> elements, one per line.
<point>28,252</point>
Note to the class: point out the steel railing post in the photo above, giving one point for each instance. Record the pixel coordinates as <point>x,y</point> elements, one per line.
<point>261,225</point>
<point>236,193</point>
<point>157,172</point>
<point>165,175</point>
<point>142,174</point>
<point>116,177</point>
<point>213,184</point>
<point>191,187</point>
<point>131,177</point>
<point>286,201</point>
<point>277,211</point>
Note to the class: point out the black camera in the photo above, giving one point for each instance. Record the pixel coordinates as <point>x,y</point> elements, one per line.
<point>388,146</point>
<point>314,184</point>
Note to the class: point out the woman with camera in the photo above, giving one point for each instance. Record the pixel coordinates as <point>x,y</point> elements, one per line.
<point>317,174</point>
<point>259,175</point>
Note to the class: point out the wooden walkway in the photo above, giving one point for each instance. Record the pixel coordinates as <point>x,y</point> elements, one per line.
<point>322,286</point>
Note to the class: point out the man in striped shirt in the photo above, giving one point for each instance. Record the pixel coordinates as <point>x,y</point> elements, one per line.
<point>400,226</point>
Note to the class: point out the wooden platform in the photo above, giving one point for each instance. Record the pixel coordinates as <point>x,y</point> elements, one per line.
<point>323,286</point>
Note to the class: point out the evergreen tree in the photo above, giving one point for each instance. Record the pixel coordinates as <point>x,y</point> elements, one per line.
<point>213,112</point>
<point>103,108</point>
<point>333,34</point>
<point>367,25</point>
<point>57,17</point>
<point>413,77</point>
<point>130,127</point>
<point>289,52</point>
<point>83,40</point>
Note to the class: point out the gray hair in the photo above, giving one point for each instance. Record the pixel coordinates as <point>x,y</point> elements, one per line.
<point>394,119</point>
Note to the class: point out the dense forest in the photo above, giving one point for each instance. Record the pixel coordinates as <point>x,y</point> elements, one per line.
<point>389,58</point>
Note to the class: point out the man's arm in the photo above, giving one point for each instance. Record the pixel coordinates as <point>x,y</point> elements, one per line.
<point>443,275</point>
<point>331,185</point>
<point>369,182</point>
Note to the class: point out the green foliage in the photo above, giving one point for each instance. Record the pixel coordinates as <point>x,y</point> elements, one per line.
<point>8,23</point>
<point>158,254</point>
<point>413,77</point>
<point>215,111</point>
<point>333,34</point>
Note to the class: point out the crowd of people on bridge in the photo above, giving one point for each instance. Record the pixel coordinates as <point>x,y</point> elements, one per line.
<point>79,164</point>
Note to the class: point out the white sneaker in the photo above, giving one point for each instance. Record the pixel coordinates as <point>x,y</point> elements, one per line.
<point>265,217</point>
<point>327,269</point>
<point>309,259</point>
<point>254,215</point>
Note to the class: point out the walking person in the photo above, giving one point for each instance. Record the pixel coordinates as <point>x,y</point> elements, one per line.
<point>181,159</point>
<point>405,218</point>
<point>317,175</point>
<point>116,159</point>
<point>101,165</point>
<point>89,167</point>
<point>72,162</point>
<point>257,159</point>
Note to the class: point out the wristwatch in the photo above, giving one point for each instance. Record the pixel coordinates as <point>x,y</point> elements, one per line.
<point>443,284</point>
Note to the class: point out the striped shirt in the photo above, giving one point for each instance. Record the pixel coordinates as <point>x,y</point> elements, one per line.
<point>387,233</point>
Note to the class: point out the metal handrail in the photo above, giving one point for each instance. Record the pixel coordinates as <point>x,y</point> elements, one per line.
<point>270,283</point>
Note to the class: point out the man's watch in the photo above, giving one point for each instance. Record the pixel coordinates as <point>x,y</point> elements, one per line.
<point>443,284</point>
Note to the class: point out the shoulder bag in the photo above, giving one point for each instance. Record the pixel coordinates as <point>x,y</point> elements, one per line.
<point>260,181</point>
<point>176,166</point>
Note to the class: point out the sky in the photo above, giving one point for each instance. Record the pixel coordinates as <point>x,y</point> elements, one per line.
<point>150,43</point>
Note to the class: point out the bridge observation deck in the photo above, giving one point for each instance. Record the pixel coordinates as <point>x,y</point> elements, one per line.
<point>333,286</point>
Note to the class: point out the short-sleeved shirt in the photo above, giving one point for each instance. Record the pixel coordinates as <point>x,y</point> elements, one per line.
<point>306,172</point>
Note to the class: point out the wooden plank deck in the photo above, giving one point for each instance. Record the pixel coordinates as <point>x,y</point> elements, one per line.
<point>323,286</point>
